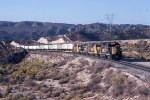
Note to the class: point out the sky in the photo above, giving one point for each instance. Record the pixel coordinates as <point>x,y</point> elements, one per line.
<point>76,11</point>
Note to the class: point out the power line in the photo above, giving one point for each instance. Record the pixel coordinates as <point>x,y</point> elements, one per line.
<point>110,19</point>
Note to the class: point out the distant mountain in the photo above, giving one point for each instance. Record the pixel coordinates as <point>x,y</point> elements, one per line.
<point>27,30</point>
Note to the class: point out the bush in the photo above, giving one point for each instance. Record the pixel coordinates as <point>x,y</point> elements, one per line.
<point>52,65</point>
<point>61,63</point>
<point>57,75</point>
<point>63,80</point>
<point>108,76</point>
<point>1,95</point>
<point>8,91</point>
<point>14,97</point>
<point>97,68</point>
<point>143,90</point>
<point>130,88</point>
<point>75,87</point>
<point>76,98</point>
<point>93,84</point>
<point>83,62</point>
<point>40,75</point>
<point>30,82</point>
<point>44,89</point>
<point>118,82</point>
<point>55,93</point>
<point>68,97</point>
<point>31,97</point>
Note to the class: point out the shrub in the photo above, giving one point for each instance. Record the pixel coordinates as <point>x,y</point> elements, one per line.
<point>55,93</point>
<point>108,76</point>
<point>76,98</point>
<point>93,84</point>
<point>130,87</point>
<point>61,63</point>
<point>118,82</point>
<point>52,65</point>
<point>58,75</point>
<point>14,97</point>
<point>49,94</point>
<point>31,97</point>
<point>30,82</point>
<point>1,95</point>
<point>83,62</point>
<point>143,90</point>
<point>75,87</point>
<point>40,75</point>
<point>63,80</point>
<point>68,97</point>
<point>97,68</point>
<point>119,79</point>
<point>44,89</point>
<point>8,91</point>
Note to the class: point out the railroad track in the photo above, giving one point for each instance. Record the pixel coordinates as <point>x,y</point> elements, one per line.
<point>133,65</point>
<point>128,64</point>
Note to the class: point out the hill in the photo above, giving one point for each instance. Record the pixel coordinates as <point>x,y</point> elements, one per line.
<point>60,76</point>
<point>28,30</point>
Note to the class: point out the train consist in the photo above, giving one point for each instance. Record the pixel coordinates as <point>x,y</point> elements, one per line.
<point>109,50</point>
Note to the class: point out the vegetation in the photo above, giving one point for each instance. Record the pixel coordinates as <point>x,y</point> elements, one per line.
<point>67,79</point>
<point>138,50</point>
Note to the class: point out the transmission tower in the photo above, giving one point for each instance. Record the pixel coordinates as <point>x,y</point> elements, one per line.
<point>110,19</point>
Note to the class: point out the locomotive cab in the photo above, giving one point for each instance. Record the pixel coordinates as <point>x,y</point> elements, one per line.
<point>115,51</point>
<point>78,48</point>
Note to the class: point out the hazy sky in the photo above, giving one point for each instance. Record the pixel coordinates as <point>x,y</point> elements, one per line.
<point>76,11</point>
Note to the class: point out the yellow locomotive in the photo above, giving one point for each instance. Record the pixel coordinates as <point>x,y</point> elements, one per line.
<point>110,50</point>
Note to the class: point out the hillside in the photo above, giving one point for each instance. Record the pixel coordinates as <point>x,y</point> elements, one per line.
<point>58,76</point>
<point>28,30</point>
<point>5,48</point>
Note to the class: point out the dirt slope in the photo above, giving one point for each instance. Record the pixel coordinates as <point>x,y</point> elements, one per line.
<point>56,76</point>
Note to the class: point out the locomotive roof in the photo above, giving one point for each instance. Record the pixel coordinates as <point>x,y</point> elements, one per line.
<point>98,42</point>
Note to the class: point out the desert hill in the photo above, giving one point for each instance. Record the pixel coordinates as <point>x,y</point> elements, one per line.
<point>28,30</point>
<point>59,76</point>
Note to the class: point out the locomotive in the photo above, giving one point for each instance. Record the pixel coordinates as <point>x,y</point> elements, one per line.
<point>109,50</point>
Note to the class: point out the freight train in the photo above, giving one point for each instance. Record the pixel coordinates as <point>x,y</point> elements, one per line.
<point>109,50</point>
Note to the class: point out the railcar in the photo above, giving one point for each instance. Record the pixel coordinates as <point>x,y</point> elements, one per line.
<point>110,50</point>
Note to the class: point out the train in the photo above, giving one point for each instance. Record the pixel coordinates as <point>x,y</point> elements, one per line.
<point>109,50</point>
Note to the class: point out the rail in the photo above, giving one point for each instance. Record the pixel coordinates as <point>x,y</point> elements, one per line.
<point>128,64</point>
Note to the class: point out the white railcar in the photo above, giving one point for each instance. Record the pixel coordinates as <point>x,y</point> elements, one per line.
<point>30,47</point>
<point>21,46</point>
<point>37,47</point>
<point>64,46</point>
<point>68,46</point>
<point>54,47</point>
<point>59,46</point>
<point>34,47</point>
<point>41,47</point>
<point>26,47</point>
<point>50,47</point>
<point>46,47</point>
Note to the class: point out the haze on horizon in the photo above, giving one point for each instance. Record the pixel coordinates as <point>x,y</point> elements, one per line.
<point>76,11</point>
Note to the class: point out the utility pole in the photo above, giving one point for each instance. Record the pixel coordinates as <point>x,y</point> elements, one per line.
<point>110,19</point>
